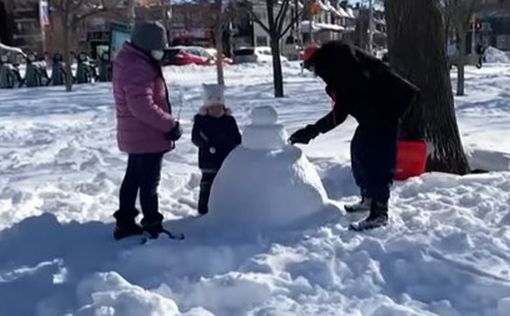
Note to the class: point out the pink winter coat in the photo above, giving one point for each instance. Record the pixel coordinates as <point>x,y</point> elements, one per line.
<point>143,109</point>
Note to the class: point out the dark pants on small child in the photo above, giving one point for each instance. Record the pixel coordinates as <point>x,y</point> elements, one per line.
<point>205,190</point>
<point>143,174</point>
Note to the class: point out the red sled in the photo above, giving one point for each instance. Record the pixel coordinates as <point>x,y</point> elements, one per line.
<point>411,159</point>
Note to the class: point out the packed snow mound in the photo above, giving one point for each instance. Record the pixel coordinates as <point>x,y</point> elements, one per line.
<point>106,294</point>
<point>264,182</point>
<point>494,55</point>
<point>489,160</point>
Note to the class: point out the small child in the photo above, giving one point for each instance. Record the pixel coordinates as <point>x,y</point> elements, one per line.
<point>216,134</point>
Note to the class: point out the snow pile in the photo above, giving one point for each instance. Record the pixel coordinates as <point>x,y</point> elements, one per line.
<point>109,294</point>
<point>494,55</point>
<point>264,182</point>
<point>488,160</point>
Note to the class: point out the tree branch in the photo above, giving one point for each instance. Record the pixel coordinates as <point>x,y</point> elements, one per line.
<point>281,12</point>
<point>97,9</point>
<point>75,5</point>
<point>292,22</point>
<point>280,18</point>
<point>257,20</point>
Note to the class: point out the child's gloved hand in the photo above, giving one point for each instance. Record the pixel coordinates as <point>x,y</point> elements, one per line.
<point>304,135</point>
<point>212,150</point>
<point>176,132</point>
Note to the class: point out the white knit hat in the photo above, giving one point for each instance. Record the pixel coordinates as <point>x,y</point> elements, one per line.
<point>213,94</point>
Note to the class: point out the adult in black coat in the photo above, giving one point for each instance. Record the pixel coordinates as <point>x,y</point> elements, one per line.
<point>216,134</point>
<point>367,89</point>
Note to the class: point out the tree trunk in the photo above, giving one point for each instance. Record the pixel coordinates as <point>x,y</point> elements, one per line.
<point>218,32</point>
<point>275,50</point>
<point>277,67</point>
<point>67,58</point>
<point>417,42</point>
<point>307,16</point>
<point>219,57</point>
<point>131,12</point>
<point>461,61</point>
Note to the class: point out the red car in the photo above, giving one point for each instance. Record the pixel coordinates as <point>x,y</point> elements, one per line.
<point>184,55</point>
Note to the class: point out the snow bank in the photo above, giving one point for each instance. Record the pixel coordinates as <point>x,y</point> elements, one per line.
<point>494,55</point>
<point>109,294</point>
<point>488,160</point>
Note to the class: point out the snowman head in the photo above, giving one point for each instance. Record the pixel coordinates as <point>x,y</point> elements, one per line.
<point>264,115</point>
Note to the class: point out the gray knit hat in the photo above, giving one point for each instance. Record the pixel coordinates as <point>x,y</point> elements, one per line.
<point>149,36</point>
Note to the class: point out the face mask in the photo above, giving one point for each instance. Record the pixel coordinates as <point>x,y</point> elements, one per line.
<point>157,54</point>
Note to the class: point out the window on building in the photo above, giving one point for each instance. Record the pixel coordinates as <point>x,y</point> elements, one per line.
<point>503,42</point>
<point>261,41</point>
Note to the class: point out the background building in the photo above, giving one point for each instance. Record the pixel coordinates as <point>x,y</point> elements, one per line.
<point>20,25</point>
<point>493,24</point>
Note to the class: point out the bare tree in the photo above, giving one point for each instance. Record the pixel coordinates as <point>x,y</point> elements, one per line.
<point>131,14</point>
<point>279,22</point>
<point>417,51</point>
<point>70,13</point>
<point>458,15</point>
<point>219,26</point>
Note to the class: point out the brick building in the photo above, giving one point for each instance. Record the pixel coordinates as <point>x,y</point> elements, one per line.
<point>20,25</point>
<point>193,24</point>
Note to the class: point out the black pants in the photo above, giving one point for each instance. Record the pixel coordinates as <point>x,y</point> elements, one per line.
<point>373,160</point>
<point>143,174</point>
<point>205,191</point>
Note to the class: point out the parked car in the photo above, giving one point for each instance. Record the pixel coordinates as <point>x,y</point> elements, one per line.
<point>214,53</point>
<point>254,55</point>
<point>187,55</point>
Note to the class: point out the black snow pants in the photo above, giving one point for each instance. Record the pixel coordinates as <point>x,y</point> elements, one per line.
<point>205,191</point>
<point>373,161</point>
<point>143,174</point>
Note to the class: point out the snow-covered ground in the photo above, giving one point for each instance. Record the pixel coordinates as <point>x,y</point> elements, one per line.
<point>446,251</point>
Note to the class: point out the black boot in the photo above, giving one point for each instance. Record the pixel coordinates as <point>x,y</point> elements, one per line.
<point>362,206</point>
<point>152,229</point>
<point>126,225</point>
<point>378,217</point>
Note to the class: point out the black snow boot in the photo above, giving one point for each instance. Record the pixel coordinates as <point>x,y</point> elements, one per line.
<point>152,230</point>
<point>126,225</point>
<point>126,229</point>
<point>378,217</point>
<point>362,206</point>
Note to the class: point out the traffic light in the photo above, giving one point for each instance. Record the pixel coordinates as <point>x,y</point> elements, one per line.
<point>476,25</point>
<point>315,8</point>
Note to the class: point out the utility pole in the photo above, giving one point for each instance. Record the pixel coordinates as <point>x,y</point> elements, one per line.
<point>296,14</point>
<point>473,34</point>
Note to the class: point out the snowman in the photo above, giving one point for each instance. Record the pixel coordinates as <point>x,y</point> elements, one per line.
<point>265,182</point>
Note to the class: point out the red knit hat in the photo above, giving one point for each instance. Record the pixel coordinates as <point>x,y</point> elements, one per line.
<point>310,52</point>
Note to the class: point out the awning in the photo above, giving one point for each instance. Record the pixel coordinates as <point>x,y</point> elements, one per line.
<point>304,26</point>
<point>337,12</point>
<point>350,13</point>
